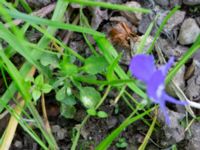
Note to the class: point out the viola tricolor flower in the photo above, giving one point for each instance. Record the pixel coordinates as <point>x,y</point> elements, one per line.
<point>143,68</point>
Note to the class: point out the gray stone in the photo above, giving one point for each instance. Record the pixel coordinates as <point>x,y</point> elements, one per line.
<point>168,3</point>
<point>60,133</point>
<point>134,18</point>
<point>148,42</point>
<point>163,3</point>
<point>175,20</point>
<point>198,20</point>
<point>193,137</point>
<point>39,3</point>
<point>189,32</point>
<point>193,85</point>
<point>18,144</point>
<point>144,23</point>
<point>174,132</point>
<point>169,50</point>
<point>191,2</point>
<point>98,16</point>
<point>196,55</point>
<point>111,122</point>
<point>179,78</point>
<point>173,3</point>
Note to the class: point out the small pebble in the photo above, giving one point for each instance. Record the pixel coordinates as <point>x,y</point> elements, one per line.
<point>163,3</point>
<point>189,32</point>
<point>134,18</point>
<point>18,144</point>
<point>191,2</point>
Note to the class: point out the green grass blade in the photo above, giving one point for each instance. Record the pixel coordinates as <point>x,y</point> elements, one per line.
<point>20,48</point>
<point>143,41</point>
<point>109,139</point>
<point>24,90</point>
<point>44,41</point>
<point>26,6</point>
<point>110,54</point>
<point>24,125</point>
<point>55,24</point>
<point>158,32</point>
<point>194,48</point>
<point>109,6</point>
<point>148,135</point>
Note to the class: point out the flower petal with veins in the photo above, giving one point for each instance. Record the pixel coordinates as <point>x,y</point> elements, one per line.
<point>142,67</point>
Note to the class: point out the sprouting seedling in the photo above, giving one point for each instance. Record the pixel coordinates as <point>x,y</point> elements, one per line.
<point>143,68</point>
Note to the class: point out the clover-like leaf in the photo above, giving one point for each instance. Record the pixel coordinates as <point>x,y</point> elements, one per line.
<point>89,97</point>
<point>46,88</point>
<point>67,111</point>
<point>36,94</point>
<point>102,114</point>
<point>95,64</point>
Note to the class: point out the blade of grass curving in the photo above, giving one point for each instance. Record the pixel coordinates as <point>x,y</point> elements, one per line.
<point>24,125</point>
<point>25,6</point>
<point>115,82</point>
<point>148,135</point>
<point>7,18</point>
<point>159,30</point>
<point>110,54</point>
<point>84,22</point>
<point>111,68</point>
<point>25,114</point>
<point>18,45</point>
<point>143,41</point>
<point>57,16</point>
<point>24,90</point>
<point>109,139</point>
<point>46,34</point>
<point>55,24</point>
<point>109,6</point>
<point>195,47</point>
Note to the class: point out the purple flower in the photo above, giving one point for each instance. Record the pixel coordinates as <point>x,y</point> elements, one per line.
<point>143,68</point>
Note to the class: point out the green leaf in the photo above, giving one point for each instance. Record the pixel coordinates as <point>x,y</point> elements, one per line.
<point>67,111</point>
<point>46,88</point>
<point>60,94</point>
<point>91,112</point>
<point>29,78</point>
<point>49,59</point>
<point>39,81</point>
<point>122,145</point>
<point>109,6</point>
<point>68,69</point>
<point>95,64</point>
<point>89,97</point>
<point>69,100</point>
<point>102,114</point>
<point>69,91</point>
<point>110,73</point>
<point>36,94</point>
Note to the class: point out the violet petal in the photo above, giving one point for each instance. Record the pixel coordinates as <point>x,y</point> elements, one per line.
<point>173,100</point>
<point>142,67</point>
<point>165,113</point>
<point>167,66</point>
<point>155,86</point>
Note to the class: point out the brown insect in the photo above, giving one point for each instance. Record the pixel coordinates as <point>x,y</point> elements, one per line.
<point>122,35</point>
